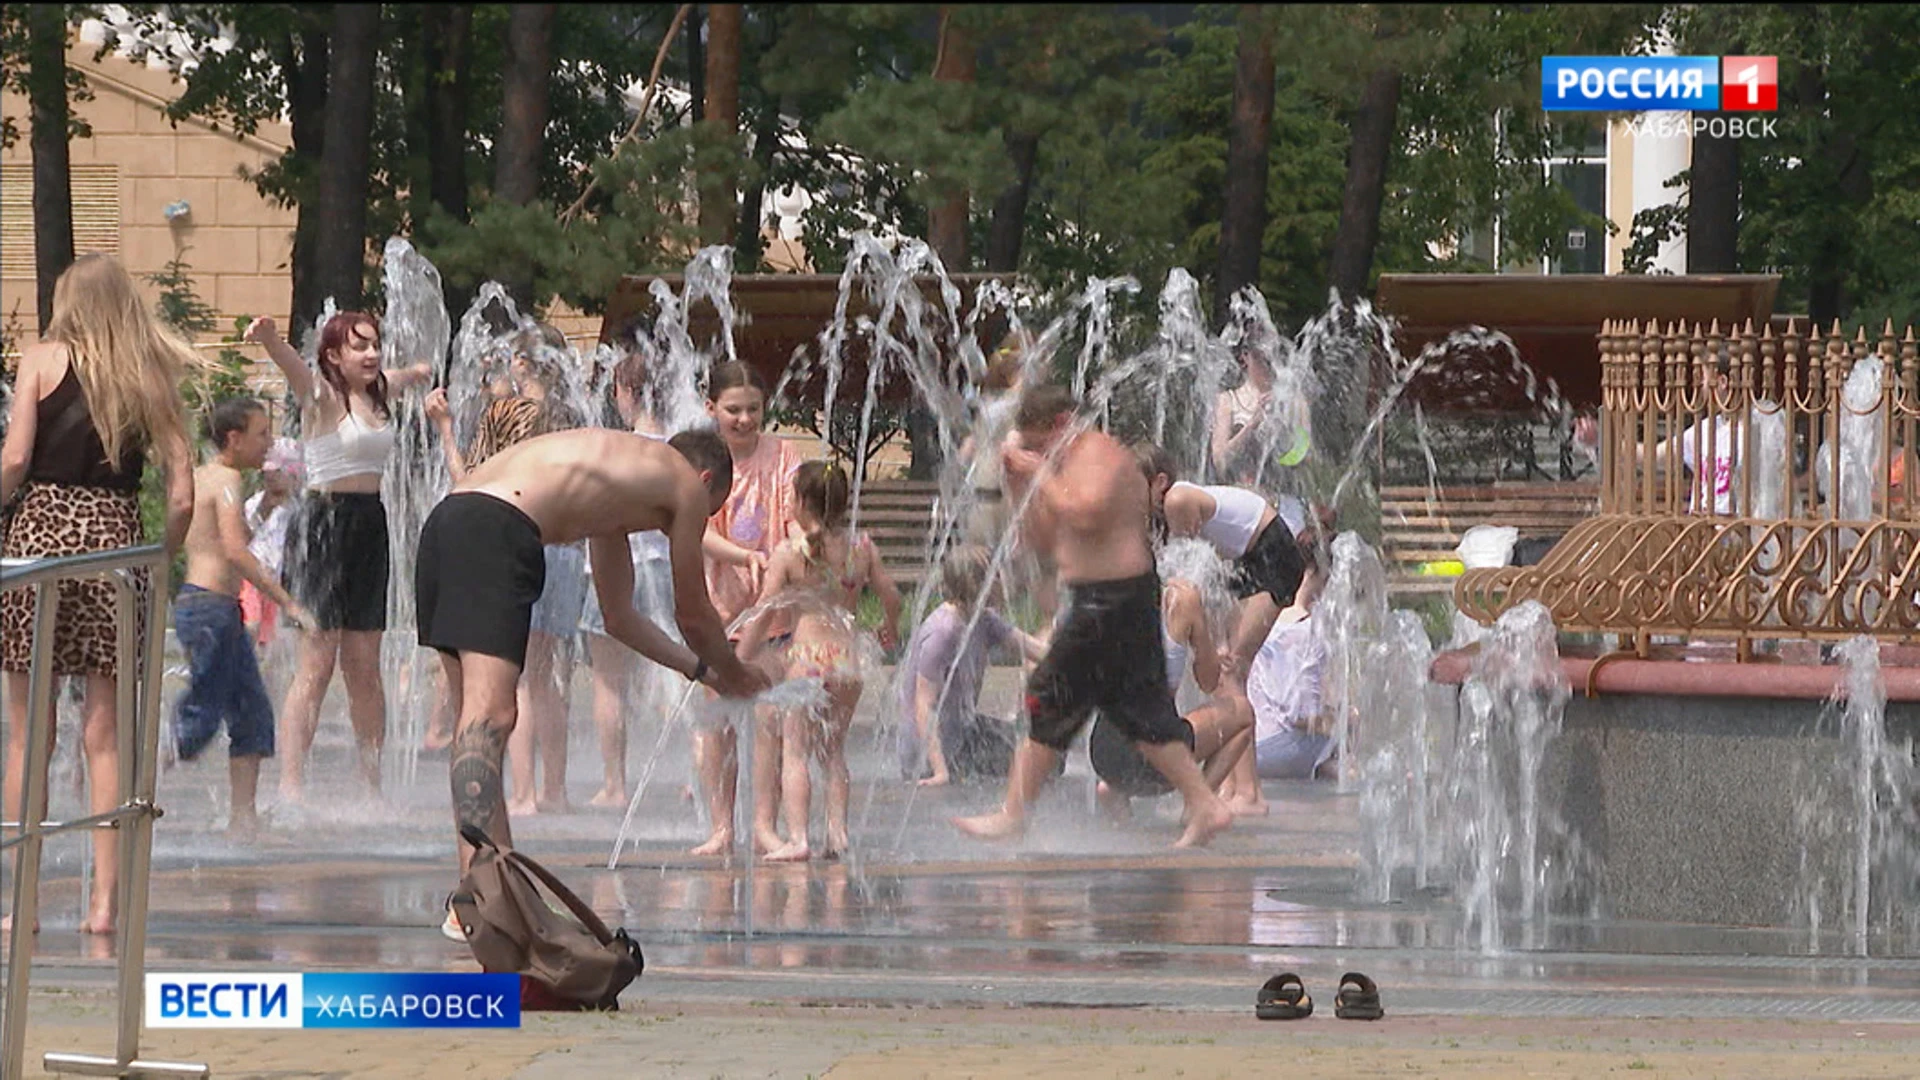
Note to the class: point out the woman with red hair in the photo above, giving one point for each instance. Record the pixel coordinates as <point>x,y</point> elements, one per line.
<point>337,561</point>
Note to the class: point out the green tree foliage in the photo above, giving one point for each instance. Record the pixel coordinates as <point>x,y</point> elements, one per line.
<point>179,306</point>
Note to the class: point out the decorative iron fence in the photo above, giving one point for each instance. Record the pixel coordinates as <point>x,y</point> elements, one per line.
<point>1752,486</point>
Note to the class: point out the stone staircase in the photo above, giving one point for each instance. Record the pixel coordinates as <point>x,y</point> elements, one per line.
<point>898,514</point>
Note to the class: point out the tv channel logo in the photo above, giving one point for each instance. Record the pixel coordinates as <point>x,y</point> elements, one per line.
<point>332,1000</point>
<point>1659,83</point>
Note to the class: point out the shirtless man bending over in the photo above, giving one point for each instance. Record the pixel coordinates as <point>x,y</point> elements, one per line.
<point>1090,513</point>
<point>481,568</point>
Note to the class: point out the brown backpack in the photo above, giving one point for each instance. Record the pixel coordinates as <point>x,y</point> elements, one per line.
<point>562,964</point>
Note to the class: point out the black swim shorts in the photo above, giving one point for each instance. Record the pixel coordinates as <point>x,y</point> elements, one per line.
<point>1119,762</point>
<point>478,572</point>
<point>1106,654</point>
<point>1272,565</point>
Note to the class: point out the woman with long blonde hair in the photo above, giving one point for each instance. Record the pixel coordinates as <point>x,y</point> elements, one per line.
<point>92,399</point>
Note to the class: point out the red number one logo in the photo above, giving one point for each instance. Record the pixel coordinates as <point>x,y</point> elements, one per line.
<point>1749,83</point>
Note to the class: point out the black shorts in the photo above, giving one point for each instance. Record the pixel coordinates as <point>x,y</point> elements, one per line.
<point>337,561</point>
<point>1272,565</point>
<point>1106,654</point>
<point>1119,762</point>
<point>479,571</point>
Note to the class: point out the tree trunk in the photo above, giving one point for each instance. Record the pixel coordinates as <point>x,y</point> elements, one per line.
<point>52,184</point>
<point>1243,219</point>
<point>1713,205</point>
<point>1359,230</point>
<point>304,61</point>
<point>696,65</point>
<point>341,258</point>
<point>1008,230</point>
<point>719,201</point>
<point>947,221</point>
<point>749,246</point>
<point>523,103</point>
<point>449,85</point>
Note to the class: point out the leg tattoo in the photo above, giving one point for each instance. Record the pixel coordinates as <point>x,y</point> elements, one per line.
<point>479,797</point>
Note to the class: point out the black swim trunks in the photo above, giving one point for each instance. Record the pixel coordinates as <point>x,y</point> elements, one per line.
<point>1119,762</point>
<point>1107,654</point>
<point>478,572</point>
<point>1271,565</point>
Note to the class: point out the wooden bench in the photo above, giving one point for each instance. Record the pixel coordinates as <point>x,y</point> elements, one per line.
<point>1420,525</point>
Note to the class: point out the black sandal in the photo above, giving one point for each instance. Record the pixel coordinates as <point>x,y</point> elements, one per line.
<point>1283,997</point>
<point>1357,999</point>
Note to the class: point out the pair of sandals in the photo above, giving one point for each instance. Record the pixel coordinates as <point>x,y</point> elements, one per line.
<point>1284,997</point>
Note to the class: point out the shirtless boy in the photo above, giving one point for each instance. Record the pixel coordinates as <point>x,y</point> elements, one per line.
<point>481,568</point>
<point>1090,512</point>
<point>224,678</point>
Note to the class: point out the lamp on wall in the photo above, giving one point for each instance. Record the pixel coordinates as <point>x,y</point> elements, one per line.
<point>177,212</point>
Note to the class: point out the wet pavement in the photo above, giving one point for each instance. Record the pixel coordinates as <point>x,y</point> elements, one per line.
<point>1079,914</point>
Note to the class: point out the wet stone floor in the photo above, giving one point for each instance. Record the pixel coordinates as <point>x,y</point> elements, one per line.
<point>1080,913</point>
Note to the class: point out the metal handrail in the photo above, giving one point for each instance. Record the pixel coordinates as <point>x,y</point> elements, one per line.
<point>137,694</point>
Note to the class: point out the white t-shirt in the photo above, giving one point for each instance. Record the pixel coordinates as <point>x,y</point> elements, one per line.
<point>1723,448</point>
<point>1284,683</point>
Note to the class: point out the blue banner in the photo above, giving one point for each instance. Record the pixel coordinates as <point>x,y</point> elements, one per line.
<point>443,1000</point>
<point>332,1000</point>
<point>1629,83</point>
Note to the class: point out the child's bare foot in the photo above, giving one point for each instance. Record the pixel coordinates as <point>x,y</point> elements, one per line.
<point>794,852</point>
<point>1204,824</point>
<point>936,780</point>
<point>1247,807</point>
<point>996,826</point>
<point>836,843</point>
<point>554,806</point>
<point>766,841</point>
<point>609,797</point>
<point>522,808</point>
<point>6,924</point>
<point>243,828</point>
<point>718,844</point>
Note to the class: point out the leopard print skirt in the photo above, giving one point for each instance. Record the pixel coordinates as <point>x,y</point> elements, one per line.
<point>66,519</point>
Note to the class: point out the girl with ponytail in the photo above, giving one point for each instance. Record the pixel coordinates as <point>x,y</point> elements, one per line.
<point>838,566</point>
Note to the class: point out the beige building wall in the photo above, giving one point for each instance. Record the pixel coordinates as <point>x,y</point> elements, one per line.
<point>236,243</point>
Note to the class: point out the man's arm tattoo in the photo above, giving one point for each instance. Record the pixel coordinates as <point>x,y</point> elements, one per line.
<point>478,793</point>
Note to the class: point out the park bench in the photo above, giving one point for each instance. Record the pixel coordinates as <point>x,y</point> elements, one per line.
<point>1420,525</point>
<point>898,514</point>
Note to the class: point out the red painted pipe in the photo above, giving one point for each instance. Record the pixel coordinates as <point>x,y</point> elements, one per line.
<point>1701,678</point>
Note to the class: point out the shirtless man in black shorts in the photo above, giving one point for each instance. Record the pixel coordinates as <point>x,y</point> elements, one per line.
<point>481,568</point>
<point>1090,512</point>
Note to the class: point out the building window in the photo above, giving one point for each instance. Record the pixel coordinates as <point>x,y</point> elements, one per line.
<point>1580,166</point>
<point>96,214</point>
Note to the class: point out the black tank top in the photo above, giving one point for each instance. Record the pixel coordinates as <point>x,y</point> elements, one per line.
<point>67,447</point>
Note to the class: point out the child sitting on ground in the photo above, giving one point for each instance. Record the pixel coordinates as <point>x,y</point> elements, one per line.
<point>1289,742</point>
<point>838,566</point>
<point>948,738</point>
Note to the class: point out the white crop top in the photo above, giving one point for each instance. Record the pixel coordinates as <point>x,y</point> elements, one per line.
<point>352,449</point>
<point>1236,516</point>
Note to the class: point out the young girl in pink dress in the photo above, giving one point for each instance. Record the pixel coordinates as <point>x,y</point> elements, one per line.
<point>740,539</point>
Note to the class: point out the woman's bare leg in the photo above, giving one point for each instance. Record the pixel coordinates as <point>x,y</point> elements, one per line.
<point>100,738</point>
<point>612,676</point>
<point>548,674</point>
<point>366,700</point>
<point>520,752</point>
<point>11,806</point>
<point>300,716</point>
<point>714,759</point>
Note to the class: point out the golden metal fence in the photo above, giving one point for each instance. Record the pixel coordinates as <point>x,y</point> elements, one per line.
<point>1752,486</point>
